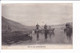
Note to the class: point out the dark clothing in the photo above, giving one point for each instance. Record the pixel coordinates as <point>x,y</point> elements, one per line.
<point>37,36</point>
<point>37,26</point>
<point>37,31</point>
<point>45,31</point>
<point>68,31</point>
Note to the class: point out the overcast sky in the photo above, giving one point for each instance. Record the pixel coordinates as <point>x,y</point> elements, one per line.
<point>31,14</point>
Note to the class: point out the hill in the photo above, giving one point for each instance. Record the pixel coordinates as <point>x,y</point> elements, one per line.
<point>9,25</point>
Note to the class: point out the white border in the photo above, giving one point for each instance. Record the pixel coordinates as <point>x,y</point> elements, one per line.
<point>76,29</point>
<point>38,1</point>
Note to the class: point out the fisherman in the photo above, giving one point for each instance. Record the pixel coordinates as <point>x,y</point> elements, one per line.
<point>68,31</point>
<point>45,31</point>
<point>37,31</point>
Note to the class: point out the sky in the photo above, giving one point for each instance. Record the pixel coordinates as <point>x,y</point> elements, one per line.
<point>30,14</point>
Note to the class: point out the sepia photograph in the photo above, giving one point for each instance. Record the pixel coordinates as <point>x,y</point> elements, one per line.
<point>41,24</point>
